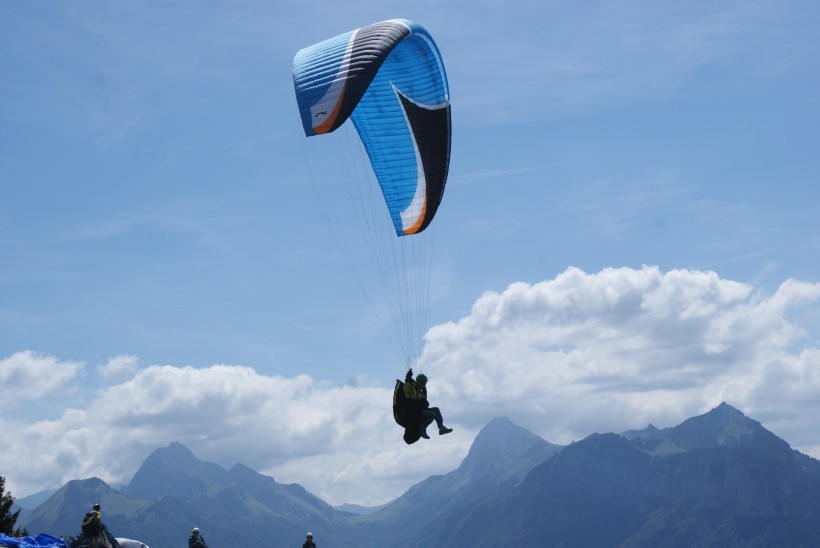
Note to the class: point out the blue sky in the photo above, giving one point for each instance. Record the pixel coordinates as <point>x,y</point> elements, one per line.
<point>629,235</point>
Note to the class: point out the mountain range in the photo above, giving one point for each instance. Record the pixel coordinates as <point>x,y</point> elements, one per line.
<point>719,479</point>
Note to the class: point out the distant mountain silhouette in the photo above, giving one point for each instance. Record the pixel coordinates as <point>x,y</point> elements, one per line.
<point>175,471</point>
<point>64,510</point>
<point>357,509</point>
<point>723,426</point>
<point>500,457</point>
<point>173,491</point>
<point>33,501</point>
<point>716,480</point>
<point>719,480</point>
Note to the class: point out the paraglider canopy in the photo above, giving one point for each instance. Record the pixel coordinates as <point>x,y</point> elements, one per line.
<point>389,79</point>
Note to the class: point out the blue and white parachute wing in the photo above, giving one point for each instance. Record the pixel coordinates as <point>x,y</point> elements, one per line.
<point>388,78</point>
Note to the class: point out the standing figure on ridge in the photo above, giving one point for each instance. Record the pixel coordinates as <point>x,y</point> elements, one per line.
<point>95,531</point>
<point>196,540</point>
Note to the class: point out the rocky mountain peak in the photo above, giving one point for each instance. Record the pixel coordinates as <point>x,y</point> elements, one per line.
<point>500,437</point>
<point>725,426</point>
<point>174,470</point>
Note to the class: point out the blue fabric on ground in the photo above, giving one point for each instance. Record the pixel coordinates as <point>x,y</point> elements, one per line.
<point>40,541</point>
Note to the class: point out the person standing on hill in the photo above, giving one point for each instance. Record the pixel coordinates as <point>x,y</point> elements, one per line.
<point>196,540</point>
<point>95,531</point>
<point>309,541</point>
<point>92,526</point>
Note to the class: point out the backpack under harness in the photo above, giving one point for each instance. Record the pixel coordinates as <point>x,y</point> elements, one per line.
<point>92,525</point>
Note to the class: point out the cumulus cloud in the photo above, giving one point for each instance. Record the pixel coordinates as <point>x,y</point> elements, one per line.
<point>624,347</point>
<point>119,366</point>
<point>566,357</point>
<point>27,376</point>
<point>327,438</point>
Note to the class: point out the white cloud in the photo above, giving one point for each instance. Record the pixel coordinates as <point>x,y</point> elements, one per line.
<point>624,347</point>
<point>31,376</point>
<point>229,414</point>
<point>119,366</point>
<point>577,354</point>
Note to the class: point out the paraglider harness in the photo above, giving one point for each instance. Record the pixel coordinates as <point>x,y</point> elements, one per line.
<point>400,406</point>
<point>406,412</point>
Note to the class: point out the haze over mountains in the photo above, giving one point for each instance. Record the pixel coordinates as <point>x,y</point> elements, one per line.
<point>719,479</point>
